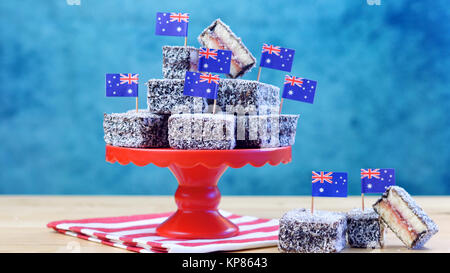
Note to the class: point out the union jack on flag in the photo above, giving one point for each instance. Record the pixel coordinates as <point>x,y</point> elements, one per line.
<point>122,85</point>
<point>296,88</point>
<point>329,184</point>
<point>376,180</point>
<point>201,85</point>
<point>172,24</point>
<point>214,60</point>
<point>276,57</point>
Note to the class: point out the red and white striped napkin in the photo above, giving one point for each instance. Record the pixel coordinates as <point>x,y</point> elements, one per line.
<point>138,233</point>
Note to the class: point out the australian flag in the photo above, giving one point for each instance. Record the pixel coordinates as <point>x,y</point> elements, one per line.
<point>276,57</point>
<point>214,60</point>
<point>172,24</point>
<point>296,88</point>
<point>122,85</point>
<point>201,85</point>
<point>376,180</point>
<point>329,184</point>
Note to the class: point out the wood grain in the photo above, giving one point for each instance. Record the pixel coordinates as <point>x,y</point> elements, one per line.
<point>23,219</point>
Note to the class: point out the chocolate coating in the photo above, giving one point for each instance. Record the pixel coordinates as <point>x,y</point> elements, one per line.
<point>364,229</point>
<point>202,131</point>
<point>137,130</point>
<point>303,232</point>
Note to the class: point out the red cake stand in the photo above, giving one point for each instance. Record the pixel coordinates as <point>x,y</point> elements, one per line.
<point>198,172</point>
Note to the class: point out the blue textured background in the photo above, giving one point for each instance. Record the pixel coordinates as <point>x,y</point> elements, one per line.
<point>383,95</point>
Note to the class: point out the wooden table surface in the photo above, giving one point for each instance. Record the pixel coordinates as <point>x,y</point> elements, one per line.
<point>23,219</point>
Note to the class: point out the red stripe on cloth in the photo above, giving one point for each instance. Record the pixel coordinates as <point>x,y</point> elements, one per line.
<point>112,220</point>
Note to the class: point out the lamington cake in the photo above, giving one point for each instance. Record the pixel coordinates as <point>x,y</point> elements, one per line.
<point>320,232</point>
<point>219,36</point>
<point>177,60</point>
<point>405,217</point>
<point>242,97</point>
<point>165,96</point>
<point>136,129</point>
<point>202,131</point>
<point>265,131</point>
<point>364,229</point>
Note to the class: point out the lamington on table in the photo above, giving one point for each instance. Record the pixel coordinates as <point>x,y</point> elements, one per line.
<point>304,232</point>
<point>202,131</point>
<point>265,131</point>
<point>219,36</point>
<point>136,129</point>
<point>364,229</point>
<point>233,96</point>
<point>405,217</point>
<point>179,59</point>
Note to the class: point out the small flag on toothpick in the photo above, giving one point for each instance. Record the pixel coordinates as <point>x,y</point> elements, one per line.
<point>296,88</point>
<point>214,60</point>
<point>376,181</point>
<point>201,85</point>
<point>172,24</point>
<point>122,85</point>
<point>328,184</point>
<point>276,57</point>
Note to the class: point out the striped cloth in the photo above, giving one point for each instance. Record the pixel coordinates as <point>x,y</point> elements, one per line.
<point>138,233</point>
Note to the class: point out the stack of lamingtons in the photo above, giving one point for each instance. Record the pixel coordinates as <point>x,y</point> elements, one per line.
<point>245,116</point>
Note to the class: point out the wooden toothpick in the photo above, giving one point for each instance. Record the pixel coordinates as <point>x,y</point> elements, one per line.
<point>362,200</point>
<point>214,107</point>
<point>312,204</point>
<point>137,104</point>
<point>259,74</point>
<point>281,105</point>
<point>185,41</point>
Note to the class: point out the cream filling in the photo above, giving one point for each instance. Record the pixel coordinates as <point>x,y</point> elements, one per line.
<point>401,218</point>
<point>221,38</point>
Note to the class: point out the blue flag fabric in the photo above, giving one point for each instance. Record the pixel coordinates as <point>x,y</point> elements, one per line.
<point>201,85</point>
<point>376,180</point>
<point>214,60</point>
<point>329,184</point>
<point>296,88</point>
<point>276,57</point>
<point>172,24</point>
<point>122,85</point>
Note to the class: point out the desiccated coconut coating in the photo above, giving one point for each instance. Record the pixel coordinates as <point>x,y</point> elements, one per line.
<point>137,130</point>
<point>257,131</point>
<point>233,96</point>
<point>219,36</point>
<point>405,217</point>
<point>165,96</point>
<point>288,128</point>
<point>202,131</point>
<point>177,60</point>
<point>265,131</point>
<point>364,229</point>
<point>320,232</point>
<point>247,97</point>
